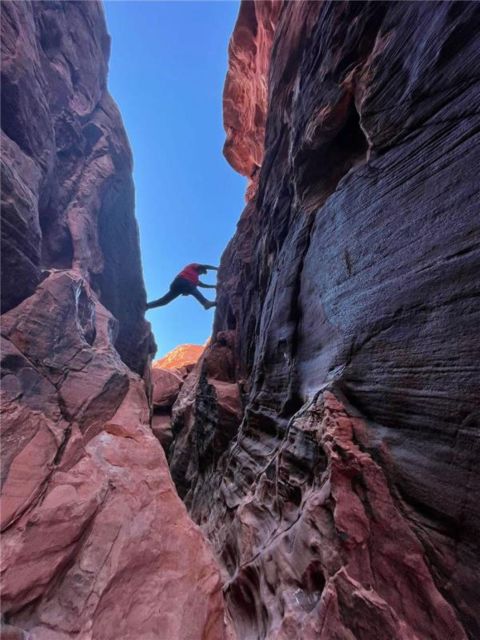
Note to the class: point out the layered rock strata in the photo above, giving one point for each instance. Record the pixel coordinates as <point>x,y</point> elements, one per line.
<point>95,541</point>
<point>205,417</point>
<point>67,190</point>
<point>344,506</point>
<point>245,93</point>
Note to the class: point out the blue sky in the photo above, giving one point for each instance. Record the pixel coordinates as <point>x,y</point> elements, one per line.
<point>167,69</point>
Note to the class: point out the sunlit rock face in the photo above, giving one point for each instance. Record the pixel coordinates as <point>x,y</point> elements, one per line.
<point>345,504</point>
<point>185,355</point>
<point>95,541</point>
<point>245,94</point>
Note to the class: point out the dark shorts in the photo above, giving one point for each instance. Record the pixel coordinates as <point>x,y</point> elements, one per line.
<point>182,287</point>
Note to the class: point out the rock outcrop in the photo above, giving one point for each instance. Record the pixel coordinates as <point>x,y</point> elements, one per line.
<point>327,439</point>
<point>95,541</point>
<point>344,505</point>
<point>205,417</point>
<point>67,190</point>
<point>185,355</point>
<point>167,376</point>
<point>245,93</point>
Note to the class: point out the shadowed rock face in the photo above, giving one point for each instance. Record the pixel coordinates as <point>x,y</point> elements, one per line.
<point>167,377</point>
<point>205,417</point>
<point>95,541</point>
<point>67,190</point>
<point>345,505</point>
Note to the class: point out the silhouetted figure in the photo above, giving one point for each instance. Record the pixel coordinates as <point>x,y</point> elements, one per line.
<point>185,284</point>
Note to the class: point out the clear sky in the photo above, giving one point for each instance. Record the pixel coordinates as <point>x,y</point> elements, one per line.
<point>167,69</point>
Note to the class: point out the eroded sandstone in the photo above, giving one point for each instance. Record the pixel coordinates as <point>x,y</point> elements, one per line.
<point>168,375</point>
<point>67,190</point>
<point>182,357</point>
<point>246,93</point>
<point>344,506</point>
<point>95,541</point>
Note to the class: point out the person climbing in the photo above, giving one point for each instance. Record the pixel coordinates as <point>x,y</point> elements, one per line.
<point>185,284</point>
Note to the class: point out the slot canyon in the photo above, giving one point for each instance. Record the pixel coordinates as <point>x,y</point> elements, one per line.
<point>312,472</point>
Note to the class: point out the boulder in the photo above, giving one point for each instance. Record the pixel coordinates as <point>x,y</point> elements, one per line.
<point>166,387</point>
<point>162,429</point>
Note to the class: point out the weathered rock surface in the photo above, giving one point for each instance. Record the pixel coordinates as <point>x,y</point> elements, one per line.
<point>344,506</point>
<point>205,416</point>
<point>67,190</point>
<point>185,355</point>
<point>245,93</point>
<point>166,387</point>
<point>96,543</point>
<point>167,377</point>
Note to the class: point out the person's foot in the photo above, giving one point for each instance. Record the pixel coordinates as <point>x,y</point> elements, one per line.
<point>209,305</point>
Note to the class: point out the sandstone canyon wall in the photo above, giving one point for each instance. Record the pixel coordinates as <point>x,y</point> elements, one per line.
<point>341,494</point>
<point>95,541</point>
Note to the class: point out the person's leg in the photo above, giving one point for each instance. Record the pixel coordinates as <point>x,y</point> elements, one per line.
<point>168,297</point>
<point>203,301</point>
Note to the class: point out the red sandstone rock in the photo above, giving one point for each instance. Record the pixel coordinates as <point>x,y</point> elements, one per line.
<point>219,359</point>
<point>245,92</point>
<point>166,387</point>
<point>206,414</point>
<point>349,513</point>
<point>95,541</point>
<point>228,401</point>
<point>7,632</point>
<point>185,355</point>
<point>67,191</point>
<point>167,383</point>
<point>354,268</point>
<point>345,557</point>
<point>162,429</point>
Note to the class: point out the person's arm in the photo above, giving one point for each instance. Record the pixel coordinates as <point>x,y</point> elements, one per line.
<point>209,266</point>
<point>207,286</point>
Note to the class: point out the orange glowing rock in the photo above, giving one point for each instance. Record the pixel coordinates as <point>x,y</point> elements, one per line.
<point>182,356</point>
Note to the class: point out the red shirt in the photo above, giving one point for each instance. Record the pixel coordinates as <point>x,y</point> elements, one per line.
<point>190,273</point>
